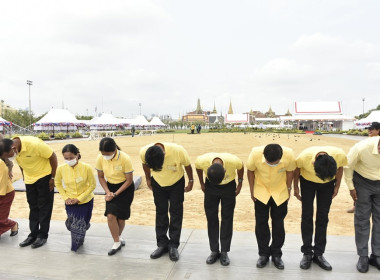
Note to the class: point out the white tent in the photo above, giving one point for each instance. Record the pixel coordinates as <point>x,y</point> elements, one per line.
<point>374,116</point>
<point>105,122</point>
<point>140,121</point>
<point>4,123</point>
<point>58,120</point>
<point>156,122</point>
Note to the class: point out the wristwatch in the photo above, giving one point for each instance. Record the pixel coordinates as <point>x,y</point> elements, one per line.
<point>240,180</point>
<point>114,194</point>
<point>191,181</point>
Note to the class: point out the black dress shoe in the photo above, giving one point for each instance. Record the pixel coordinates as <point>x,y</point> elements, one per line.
<point>14,232</point>
<point>262,261</point>
<point>158,252</point>
<point>321,261</point>
<point>122,242</point>
<point>28,241</point>
<point>224,259</point>
<point>114,251</point>
<point>362,265</point>
<point>278,263</point>
<point>375,261</point>
<point>39,242</point>
<point>214,256</point>
<point>173,254</point>
<point>306,261</point>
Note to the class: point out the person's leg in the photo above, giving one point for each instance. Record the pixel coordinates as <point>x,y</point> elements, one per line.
<point>45,206</point>
<point>362,215</point>
<point>262,228</point>
<point>32,198</point>
<point>161,198</point>
<point>324,199</point>
<point>211,205</point>
<point>278,214</point>
<point>113,225</point>
<point>121,225</point>
<point>176,198</point>
<point>227,215</point>
<point>375,239</point>
<point>308,194</point>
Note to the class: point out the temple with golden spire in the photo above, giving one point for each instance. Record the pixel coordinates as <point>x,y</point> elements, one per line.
<point>196,116</point>
<point>230,111</point>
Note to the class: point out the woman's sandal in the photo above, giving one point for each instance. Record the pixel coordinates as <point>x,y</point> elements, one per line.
<point>14,232</point>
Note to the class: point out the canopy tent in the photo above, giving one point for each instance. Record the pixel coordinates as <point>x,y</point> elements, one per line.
<point>156,122</point>
<point>105,122</point>
<point>4,123</point>
<point>374,116</point>
<point>58,120</point>
<point>140,121</point>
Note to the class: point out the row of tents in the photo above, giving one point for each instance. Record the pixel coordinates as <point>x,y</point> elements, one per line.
<point>64,120</point>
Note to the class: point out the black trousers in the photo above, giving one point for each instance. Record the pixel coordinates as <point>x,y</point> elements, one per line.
<point>169,198</point>
<point>226,195</point>
<point>262,231</point>
<point>324,194</point>
<point>40,200</point>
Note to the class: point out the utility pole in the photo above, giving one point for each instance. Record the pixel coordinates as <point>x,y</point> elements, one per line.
<point>29,83</point>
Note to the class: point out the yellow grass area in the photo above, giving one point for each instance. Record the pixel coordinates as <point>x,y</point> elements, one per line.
<point>240,144</point>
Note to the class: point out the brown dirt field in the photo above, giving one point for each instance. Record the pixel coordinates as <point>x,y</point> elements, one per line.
<point>143,209</point>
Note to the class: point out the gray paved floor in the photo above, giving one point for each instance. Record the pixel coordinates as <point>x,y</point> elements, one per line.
<point>56,261</point>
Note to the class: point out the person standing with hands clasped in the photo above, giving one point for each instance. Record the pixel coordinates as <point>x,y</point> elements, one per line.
<point>362,176</point>
<point>320,170</point>
<point>38,164</point>
<point>77,192</point>
<point>220,187</point>
<point>163,167</point>
<point>270,175</point>
<point>115,166</point>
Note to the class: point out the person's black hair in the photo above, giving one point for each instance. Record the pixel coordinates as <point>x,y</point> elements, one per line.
<point>272,152</point>
<point>325,167</point>
<point>71,149</point>
<point>7,145</point>
<point>154,158</point>
<point>215,173</point>
<point>107,144</point>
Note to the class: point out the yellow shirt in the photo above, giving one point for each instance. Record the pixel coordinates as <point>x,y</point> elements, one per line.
<point>231,163</point>
<point>305,161</point>
<point>34,158</point>
<point>270,181</point>
<point>363,158</point>
<point>175,157</point>
<point>79,182</point>
<point>116,168</point>
<point>5,181</point>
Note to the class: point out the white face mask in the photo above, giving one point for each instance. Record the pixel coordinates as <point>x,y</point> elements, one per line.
<point>109,157</point>
<point>71,162</point>
<point>14,156</point>
<point>272,165</point>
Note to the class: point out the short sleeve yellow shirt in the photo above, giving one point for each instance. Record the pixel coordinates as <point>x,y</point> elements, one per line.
<point>270,181</point>
<point>116,168</point>
<point>172,169</point>
<point>34,158</point>
<point>5,181</point>
<point>231,163</point>
<point>305,161</point>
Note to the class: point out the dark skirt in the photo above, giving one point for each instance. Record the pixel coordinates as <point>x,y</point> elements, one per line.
<point>78,222</point>
<point>120,206</point>
<point>5,206</point>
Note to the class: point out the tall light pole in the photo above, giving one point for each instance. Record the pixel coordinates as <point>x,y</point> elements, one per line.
<point>140,108</point>
<point>29,83</point>
<point>363,104</point>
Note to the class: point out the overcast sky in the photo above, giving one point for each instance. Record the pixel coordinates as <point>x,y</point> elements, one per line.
<point>165,54</point>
